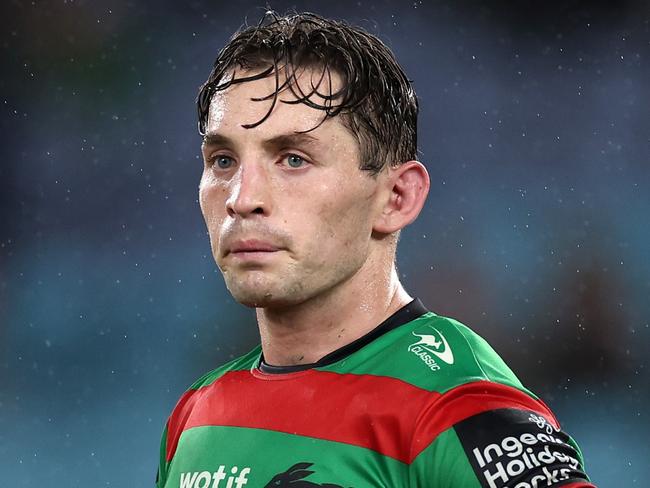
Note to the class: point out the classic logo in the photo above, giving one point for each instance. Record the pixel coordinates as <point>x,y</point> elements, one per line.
<point>293,478</point>
<point>435,344</point>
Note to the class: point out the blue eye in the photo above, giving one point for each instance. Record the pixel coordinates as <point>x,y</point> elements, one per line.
<point>224,162</point>
<point>295,161</point>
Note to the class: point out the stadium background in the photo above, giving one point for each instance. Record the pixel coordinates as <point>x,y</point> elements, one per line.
<point>534,126</point>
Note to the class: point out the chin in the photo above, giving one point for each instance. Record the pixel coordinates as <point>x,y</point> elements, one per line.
<point>255,300</point>
<point>259,296</point>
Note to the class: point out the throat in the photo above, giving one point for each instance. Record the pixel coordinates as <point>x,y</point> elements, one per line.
<point>295,345</point>
<point>404,315</point>
<point>301,336</point>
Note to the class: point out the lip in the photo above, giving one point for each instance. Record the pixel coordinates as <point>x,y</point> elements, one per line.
<point>252,246</point>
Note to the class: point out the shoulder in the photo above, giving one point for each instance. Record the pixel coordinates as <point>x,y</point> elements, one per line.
<point>480,410</point>
<point>191,396</point>
<point>469,356</point>
<point>182,412</point>
<point>466,375</point>
<point>245,362</point>
<point>435,353</point>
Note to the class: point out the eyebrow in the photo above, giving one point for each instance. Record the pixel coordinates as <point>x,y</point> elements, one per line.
<point>281,140</point>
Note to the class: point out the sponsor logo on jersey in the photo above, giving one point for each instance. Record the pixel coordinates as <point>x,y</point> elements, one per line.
<point>221,478</point>
<point>432,345</point>
<point>515,448</point>
<point>294,478</point>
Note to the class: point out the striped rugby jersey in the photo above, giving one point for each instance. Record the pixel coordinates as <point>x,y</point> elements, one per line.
<point>420,401</point>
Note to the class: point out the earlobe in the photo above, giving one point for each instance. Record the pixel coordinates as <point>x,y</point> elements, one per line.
<point>408,186</point>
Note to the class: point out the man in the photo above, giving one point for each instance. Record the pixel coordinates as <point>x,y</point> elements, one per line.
<point>309,147</point>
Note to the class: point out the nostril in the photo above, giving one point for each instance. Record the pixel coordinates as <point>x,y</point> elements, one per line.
<point>258,210</point>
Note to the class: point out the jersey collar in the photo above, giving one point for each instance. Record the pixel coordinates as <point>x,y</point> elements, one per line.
<point>407,313</point>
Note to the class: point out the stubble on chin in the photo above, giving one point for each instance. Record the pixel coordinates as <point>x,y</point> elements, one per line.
<point>264,292</point>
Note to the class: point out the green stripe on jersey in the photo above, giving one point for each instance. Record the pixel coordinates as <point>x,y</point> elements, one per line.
<point>206,449</point>
<point>445,452</point>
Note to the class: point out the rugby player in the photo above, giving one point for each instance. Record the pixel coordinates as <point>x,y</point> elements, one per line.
<point>310,172</point>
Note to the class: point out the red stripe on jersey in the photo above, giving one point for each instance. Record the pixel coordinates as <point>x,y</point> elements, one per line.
<point>178,419</point>
<point>467,400</point>
<point>579,484</point>
<point>373,412</point>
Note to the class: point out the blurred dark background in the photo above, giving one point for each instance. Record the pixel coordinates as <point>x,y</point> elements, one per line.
<point>534,126</point>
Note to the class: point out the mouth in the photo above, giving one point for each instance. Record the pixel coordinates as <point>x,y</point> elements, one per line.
<point>252,248</point>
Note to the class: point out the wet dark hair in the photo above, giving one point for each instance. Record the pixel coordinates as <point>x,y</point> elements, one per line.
<point>376,101</point>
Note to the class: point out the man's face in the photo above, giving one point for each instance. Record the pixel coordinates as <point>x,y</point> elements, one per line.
<point>290,215</point>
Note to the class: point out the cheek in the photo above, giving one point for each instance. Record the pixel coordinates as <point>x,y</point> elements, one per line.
<point>211,200</point>
<point>212,205</point>
<point>203,203</point>
<point>345,216</point>
<point>206,207</point>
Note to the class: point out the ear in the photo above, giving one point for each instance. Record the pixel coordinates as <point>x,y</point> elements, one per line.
<point>407,188</point>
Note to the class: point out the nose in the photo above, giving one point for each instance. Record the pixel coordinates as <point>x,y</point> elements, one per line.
<point>249,193</point>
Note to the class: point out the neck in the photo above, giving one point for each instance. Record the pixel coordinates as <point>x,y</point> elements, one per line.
<point>304,333</point>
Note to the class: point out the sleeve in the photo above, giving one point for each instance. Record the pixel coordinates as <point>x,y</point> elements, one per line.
<point>488,435</point>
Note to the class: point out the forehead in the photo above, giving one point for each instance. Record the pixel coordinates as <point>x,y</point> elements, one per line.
<point>272,103</point>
